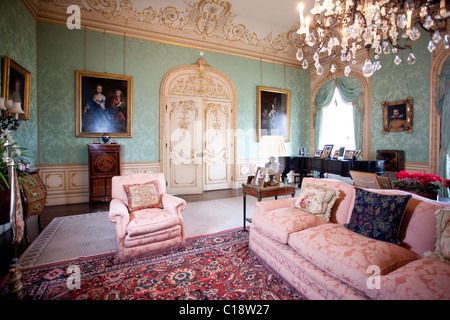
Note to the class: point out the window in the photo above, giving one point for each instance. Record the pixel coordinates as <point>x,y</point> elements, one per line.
<point>337,124</point>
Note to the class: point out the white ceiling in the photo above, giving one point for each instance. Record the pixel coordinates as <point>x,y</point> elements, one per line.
<point>281,14</point>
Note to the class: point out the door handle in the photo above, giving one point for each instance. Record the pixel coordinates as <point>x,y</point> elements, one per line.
<point>202,154</point>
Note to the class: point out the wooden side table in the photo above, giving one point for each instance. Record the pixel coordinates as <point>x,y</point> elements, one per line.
<point>264,192</point>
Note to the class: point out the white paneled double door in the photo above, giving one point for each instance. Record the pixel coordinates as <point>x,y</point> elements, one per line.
<point>199,144</point>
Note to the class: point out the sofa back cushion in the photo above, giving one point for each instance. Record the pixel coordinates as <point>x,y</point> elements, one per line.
<point>378,216</point>
<point>418,227</point>
<point>317,200</point>
<point>342,208</point>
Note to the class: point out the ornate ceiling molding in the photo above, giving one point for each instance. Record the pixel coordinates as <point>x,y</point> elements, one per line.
<point>203,24</point>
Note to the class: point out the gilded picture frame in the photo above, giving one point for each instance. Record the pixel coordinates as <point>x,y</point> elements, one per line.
<point>398,115</point>
<point>273,112</point>
<point>326,152</point>
<point>104,104</point>
<point>16,83</point>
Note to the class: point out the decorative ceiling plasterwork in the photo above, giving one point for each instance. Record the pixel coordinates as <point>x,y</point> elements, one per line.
<point>205,24</point>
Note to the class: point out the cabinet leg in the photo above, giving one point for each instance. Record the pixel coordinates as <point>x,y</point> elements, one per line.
<point>40,224</point>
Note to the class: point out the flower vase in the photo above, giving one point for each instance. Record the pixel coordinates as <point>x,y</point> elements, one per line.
<point>428,195</point>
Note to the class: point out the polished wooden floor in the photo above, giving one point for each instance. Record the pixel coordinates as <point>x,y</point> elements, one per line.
<point>51,212</point>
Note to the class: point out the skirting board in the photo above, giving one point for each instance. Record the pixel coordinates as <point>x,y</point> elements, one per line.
<point>69,183</point>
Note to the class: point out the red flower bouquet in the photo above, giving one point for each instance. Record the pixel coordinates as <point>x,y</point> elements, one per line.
<point>417,182</point>
<point>447,183</point>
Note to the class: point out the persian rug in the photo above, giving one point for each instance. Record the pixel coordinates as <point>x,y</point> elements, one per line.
<point>71,237</point>
<point>91,234</point>
<point>214,267</point>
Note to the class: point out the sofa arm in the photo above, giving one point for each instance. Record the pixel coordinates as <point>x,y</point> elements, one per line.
<point>118,214</point>
<point>273,204</point>
<point>173,204</point>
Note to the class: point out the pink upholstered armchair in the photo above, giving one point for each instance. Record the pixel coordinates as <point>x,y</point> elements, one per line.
<point>147,224</point>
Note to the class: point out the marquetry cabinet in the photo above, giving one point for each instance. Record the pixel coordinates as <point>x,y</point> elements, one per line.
<point>34,196</point>
<point>104,163</point>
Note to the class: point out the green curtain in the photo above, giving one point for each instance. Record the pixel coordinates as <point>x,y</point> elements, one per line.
<point>323,98</point>
<point>443,106</point>
<point>351,90</point>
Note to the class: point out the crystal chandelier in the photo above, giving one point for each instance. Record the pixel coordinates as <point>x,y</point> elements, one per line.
<point>342,27</point>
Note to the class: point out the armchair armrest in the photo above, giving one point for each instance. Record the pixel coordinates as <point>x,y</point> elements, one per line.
<point>118,214</point>
<point>273,204</point>
<point>173,204</point>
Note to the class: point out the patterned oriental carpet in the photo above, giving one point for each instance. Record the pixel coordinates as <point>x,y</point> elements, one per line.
<point>218,266</point>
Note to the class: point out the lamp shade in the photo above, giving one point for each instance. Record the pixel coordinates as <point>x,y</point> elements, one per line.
<point>17,108</point>
<point>272,146</point>
<point>2,104</point>
<point>9,104</point>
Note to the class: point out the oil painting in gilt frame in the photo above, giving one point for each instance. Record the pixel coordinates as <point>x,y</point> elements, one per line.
<point>273,112</point>
<point>16,84</point>
<point>103,104</point>
<point>398,115</point>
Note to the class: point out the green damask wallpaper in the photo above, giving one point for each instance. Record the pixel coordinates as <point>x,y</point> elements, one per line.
<point>52,53</point>
<point>396,82</point>
<point>18,42</point>
<point>61,51</point>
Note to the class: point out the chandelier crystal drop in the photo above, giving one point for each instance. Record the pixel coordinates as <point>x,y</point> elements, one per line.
<point>305,64</point>
<point>299,54</point>
<point>368,68</point>
<point>342,27</point>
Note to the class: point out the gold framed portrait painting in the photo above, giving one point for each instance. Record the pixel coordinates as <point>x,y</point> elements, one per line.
<point>398,115</point>
<point>16,84</point>
<point>273,112</point>
<point>103,104</point>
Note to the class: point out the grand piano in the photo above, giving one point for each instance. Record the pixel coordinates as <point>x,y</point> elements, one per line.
<point>325,165</point>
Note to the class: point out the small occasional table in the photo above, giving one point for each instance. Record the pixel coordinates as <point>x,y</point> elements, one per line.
<point>264,192</point>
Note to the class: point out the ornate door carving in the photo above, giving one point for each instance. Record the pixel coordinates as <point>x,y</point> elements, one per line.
<point>197,129</point>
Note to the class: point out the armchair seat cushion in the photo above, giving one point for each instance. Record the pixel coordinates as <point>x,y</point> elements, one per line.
<point>150,220</point>
<point>155,237</point>
<point>280,223</point>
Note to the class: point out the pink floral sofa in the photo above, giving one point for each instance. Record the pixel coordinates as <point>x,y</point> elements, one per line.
<point>324,258</point>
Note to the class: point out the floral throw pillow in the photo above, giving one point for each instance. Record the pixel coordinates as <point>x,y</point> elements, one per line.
<point>143,196</point>
<point>378,216</point>
<point>317,200</point>
<point>442,247</point>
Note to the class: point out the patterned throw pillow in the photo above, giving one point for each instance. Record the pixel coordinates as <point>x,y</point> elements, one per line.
<point>378,216</point>
<point>143,196</point>
<point>317,200</point>
<point>442,247</point>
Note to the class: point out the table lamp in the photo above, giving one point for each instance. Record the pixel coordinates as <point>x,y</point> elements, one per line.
<point>272,147</point>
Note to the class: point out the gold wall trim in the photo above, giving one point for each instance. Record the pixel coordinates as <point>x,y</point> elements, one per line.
<point>438,58</point>
<point>204,24</point>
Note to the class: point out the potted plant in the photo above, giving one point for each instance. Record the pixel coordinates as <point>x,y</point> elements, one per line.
<point>18,153</point>
<point>424,184</point>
